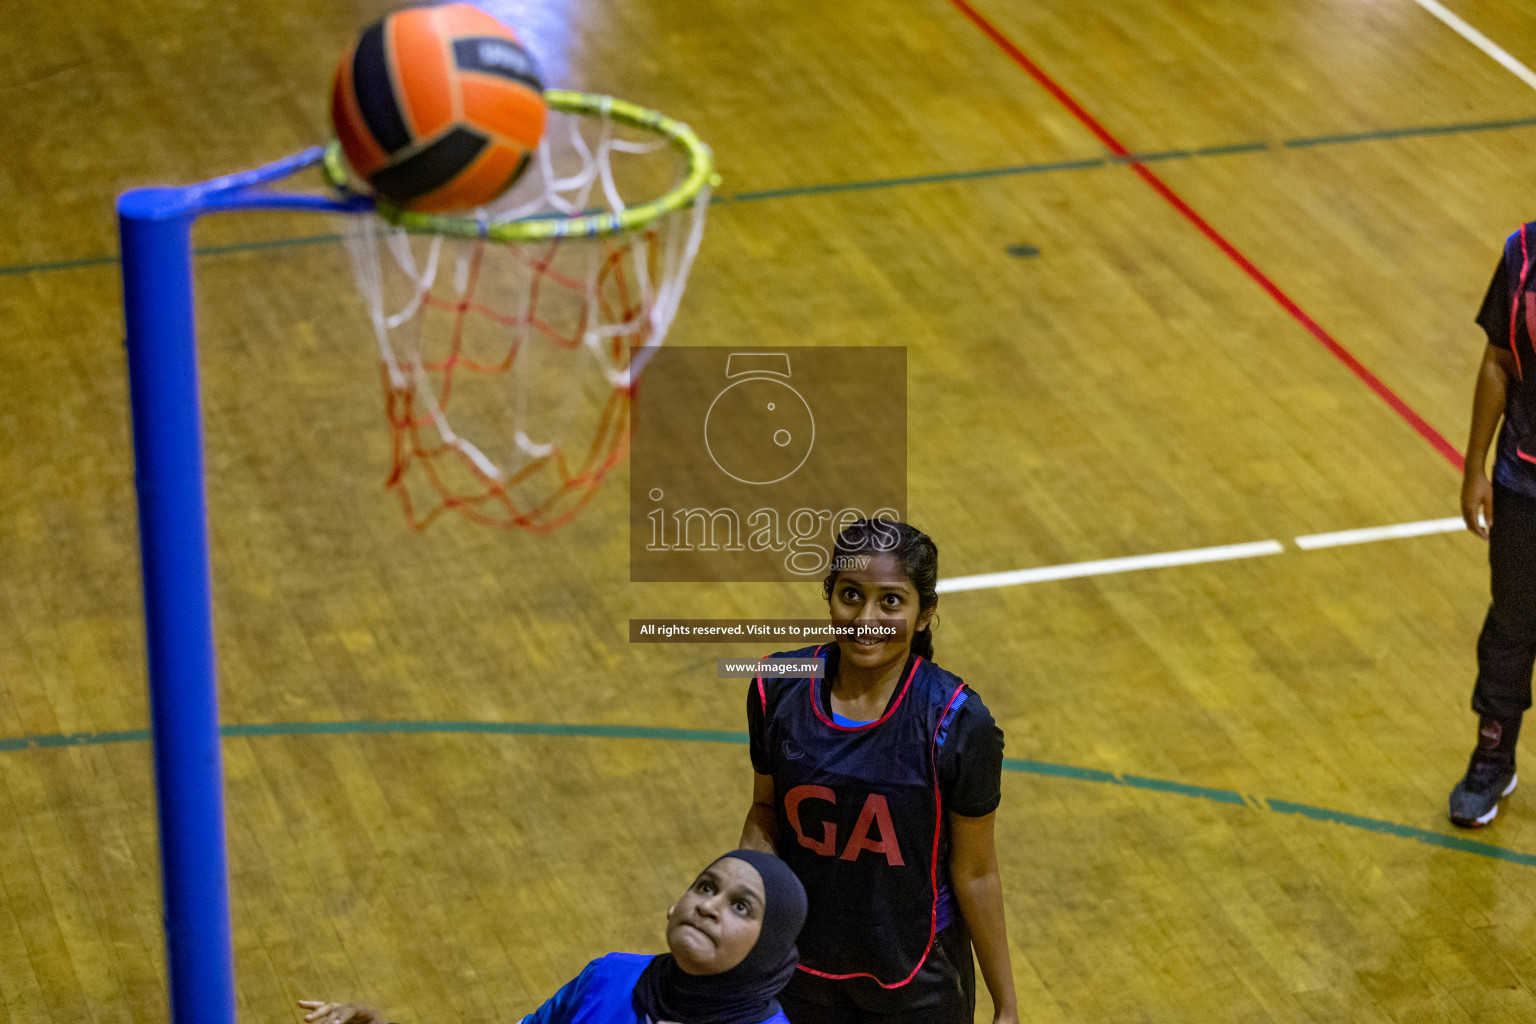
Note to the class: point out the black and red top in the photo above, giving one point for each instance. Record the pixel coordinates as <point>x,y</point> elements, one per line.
<point>1508,315</point>
<point>861,811</point>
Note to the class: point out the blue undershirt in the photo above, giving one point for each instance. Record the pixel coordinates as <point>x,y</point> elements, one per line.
<point>601,994</point>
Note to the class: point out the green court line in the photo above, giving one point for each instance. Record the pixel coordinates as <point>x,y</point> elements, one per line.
<point>1228,796</point>
<point>1062,771</point>
<point>1221,796</point>
<point>611,732</point>
<point>1237,147</point>
<point>73,739</point>
<point>607,732</point>
<point>1405,831</point>
<point>833,188</point>
<point>1154,157</point>
<point>43,268</point>
<point>646,732</point>
<point>916,179</point>
<point>202,250</point>
<point>270,243</point>
<point>1408,133</point>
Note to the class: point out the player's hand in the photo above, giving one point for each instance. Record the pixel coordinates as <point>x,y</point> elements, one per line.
<point>1477,503</point>
<point>1006,1017</point>
<point>322,1012</point>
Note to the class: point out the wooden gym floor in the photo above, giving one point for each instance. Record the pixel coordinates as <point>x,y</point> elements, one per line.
<point>1227,795</point>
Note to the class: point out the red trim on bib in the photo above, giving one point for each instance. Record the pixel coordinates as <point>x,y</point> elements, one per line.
<point>933,860</point>
<point>816,701</point>
<point>1514,309</point>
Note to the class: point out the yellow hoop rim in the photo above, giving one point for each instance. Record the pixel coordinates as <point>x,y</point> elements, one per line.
<point>683,139</point>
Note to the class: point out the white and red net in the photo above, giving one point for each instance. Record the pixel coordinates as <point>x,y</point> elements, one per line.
<point>509,366</point>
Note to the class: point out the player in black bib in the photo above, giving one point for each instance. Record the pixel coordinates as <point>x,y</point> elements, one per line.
<point>1502,511</point>
<point>879,785</point>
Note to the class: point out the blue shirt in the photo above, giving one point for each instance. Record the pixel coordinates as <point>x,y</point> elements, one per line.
<point>601,994</point>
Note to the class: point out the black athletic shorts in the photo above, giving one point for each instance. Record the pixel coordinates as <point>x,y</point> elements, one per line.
<point>944,991</point>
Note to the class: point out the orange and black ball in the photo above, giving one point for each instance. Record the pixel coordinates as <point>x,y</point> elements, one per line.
<point>438,108</point>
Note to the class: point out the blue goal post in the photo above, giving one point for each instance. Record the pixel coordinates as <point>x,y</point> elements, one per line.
<point>155,229</point>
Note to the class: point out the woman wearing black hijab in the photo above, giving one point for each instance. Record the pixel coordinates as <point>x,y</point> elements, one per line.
<point>732,941</point>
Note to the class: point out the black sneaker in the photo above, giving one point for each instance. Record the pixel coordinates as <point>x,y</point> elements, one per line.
<point>1490,777</point>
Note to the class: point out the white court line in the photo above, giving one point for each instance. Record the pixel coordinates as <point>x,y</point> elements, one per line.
<point>1313,541</point>
<point>1106,566</point>
<point>1196,556</point>
<point>1480,41</point>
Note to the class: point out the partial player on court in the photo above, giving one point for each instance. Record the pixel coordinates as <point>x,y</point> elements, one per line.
<point>1502,511</point>
<point>880,785</point>
<point>731,941</point>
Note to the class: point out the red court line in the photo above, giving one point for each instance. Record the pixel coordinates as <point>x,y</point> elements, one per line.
<point>1359,369</point>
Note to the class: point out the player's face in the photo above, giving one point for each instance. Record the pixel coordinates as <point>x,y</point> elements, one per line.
<point>878,592</point>
<point>716,923</point>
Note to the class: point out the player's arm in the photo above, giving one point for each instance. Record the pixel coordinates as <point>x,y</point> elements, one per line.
<point>759,831</point>
<point>979,890</point>
<point>323,1012</point>
<point>1487,408</point>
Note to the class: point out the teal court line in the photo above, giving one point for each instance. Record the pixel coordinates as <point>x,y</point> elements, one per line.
<point>641,732</point>
<point>947,177</point>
